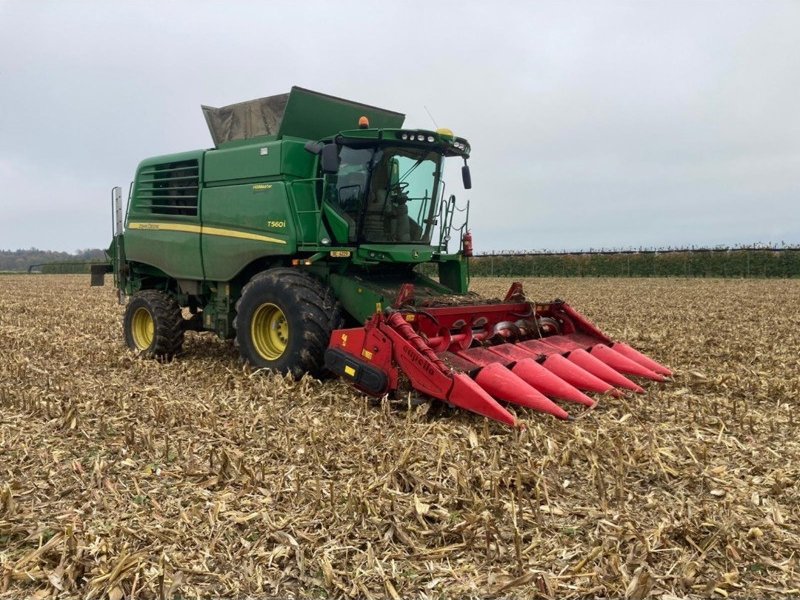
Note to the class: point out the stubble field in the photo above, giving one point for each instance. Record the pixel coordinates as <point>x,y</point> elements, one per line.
<point>122,478</point>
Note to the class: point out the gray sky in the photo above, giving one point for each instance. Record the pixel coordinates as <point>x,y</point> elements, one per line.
<point>593,124</point>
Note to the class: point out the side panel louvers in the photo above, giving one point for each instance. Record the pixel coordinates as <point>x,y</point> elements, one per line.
<point>169,188</point>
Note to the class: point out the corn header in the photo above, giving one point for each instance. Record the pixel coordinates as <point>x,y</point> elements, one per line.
<point>302,236</point>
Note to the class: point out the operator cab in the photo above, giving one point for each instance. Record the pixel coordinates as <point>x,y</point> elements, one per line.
<point>388,193</point>
<point>385,183</point>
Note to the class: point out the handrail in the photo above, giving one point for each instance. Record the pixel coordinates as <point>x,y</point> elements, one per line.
<point>297,212</point>
<point>450,208</point>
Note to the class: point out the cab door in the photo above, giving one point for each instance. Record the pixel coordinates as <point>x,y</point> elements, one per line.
<point>344,193</point>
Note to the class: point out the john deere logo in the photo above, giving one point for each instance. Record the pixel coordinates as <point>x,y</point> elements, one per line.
<point>415,254</point>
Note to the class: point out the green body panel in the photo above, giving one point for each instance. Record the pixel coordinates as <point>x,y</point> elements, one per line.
<point>169,242</point>
<point>362,293</point>
<point>306,211</point>
<point>169,158</point>
<point>258,214</point>
<point>454,273</point>
<point>342,227</point>
<point>200,224</point>
<point>314,116</point>
<point>140,203</point>
<point>260,161</point>
<point>175,253</point>
<point>395,253</point>
<point>250,162</point>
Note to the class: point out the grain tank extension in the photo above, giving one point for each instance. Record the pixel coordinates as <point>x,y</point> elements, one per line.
<point>302,235</point>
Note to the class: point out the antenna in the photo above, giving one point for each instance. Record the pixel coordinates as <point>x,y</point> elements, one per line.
<point>431,116</point>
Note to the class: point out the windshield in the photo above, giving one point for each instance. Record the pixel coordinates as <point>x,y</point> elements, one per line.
<point>388,193</point>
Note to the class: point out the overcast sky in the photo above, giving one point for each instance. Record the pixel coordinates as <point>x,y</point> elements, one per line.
<point>592,124</point>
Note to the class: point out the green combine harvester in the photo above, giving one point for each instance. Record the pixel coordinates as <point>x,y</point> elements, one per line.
<point>301,235</point>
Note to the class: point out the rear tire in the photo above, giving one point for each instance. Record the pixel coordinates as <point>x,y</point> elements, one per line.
<point>284,321</point>
<point>153,325</point>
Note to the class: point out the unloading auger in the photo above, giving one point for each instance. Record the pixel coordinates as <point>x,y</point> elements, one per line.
<point>476,356</point>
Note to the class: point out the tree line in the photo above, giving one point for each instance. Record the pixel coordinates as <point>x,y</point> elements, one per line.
<point>702,262</point>
<point>22,260</point>
<point>689,262</point>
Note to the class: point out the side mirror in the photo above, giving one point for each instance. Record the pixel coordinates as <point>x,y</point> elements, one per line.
<point>466,177</point>
<point>330,159</point>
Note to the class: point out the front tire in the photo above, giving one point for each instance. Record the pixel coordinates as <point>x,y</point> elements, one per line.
<point>284,321</point>
<point>153,325</point>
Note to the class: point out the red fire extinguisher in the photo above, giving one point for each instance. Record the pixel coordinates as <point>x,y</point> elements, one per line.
<point>467,244</point>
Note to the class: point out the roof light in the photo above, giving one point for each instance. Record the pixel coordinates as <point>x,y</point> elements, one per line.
<point>363,122</point>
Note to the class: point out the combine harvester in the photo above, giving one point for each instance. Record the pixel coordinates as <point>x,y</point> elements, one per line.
<point>312,213</point>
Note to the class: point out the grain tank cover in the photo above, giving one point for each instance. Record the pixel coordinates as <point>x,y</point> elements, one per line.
<point>300,113</point>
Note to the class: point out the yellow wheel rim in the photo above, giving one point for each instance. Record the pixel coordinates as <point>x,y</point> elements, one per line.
<point>269,331</point>
<point>142,328</point>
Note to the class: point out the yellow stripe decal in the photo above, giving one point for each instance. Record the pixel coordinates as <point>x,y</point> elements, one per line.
<point>240,234</point>
<point>166,227</point>
<point>231,233</point>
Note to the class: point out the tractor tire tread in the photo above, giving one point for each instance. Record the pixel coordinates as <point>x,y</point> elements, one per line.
<point>310,302</point>
<point>168,332</point>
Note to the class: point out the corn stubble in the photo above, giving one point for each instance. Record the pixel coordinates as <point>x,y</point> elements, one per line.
<point>124,478</point>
